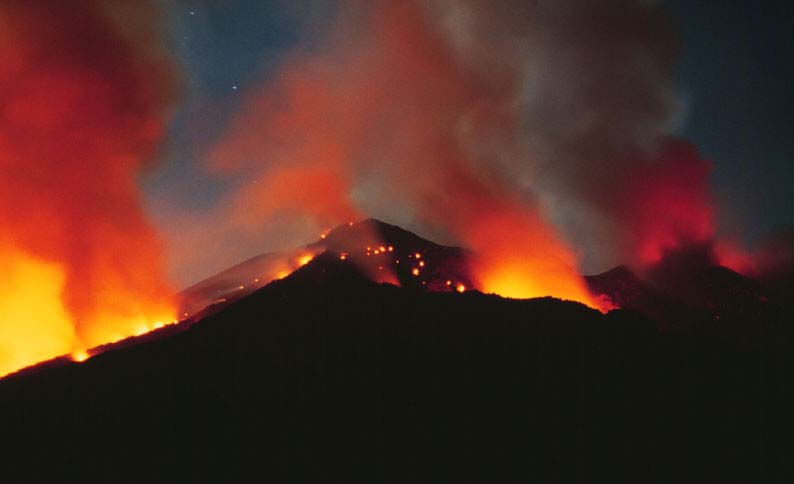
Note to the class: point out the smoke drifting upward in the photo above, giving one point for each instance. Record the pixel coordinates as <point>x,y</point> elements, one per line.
<point>535,133</point>
<point>81,103</point>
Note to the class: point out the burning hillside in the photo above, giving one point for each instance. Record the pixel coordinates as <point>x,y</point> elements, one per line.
<point>380,252</point>
<point>83,91</point>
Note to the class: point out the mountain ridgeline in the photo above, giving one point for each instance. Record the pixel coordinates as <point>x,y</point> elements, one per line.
<point>327,375</point>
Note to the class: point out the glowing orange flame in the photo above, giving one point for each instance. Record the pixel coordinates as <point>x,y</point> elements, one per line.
<point>80,356</point>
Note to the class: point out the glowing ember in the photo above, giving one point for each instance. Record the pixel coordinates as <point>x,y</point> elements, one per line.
<point>460,288</point>
<point>421,263</point>
<point>415,271</point>
<point>80,356</point>
<point>305,259</point>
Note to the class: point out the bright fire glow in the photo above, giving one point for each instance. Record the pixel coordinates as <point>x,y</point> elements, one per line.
<point>80,356</point>
<point>521,257</point>
<point>35,324</point>
<point>305,259</point>
<point>460,288</point>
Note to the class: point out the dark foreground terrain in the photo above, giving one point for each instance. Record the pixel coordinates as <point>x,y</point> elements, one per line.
<point>326,377</point>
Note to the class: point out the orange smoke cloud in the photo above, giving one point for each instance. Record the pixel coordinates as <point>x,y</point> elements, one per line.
<point>81,106</point>
<point>383,118</point>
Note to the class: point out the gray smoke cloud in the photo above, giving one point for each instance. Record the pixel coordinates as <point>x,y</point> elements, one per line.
<point>437,115</point>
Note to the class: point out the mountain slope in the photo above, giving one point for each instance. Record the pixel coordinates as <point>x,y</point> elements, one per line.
<point>325,376</point>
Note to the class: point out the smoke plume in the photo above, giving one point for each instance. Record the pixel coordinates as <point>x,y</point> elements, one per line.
<point>535,133</point>
<point>83,87</point>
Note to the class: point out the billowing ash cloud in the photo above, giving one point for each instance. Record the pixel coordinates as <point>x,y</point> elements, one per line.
<point>82,93</point>
<point>535,133</point>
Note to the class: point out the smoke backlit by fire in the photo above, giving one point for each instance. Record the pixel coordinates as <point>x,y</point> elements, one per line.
<point>81,107</point>
<point>389,106</point>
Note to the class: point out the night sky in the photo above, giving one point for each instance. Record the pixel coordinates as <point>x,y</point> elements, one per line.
<point>734,77</point>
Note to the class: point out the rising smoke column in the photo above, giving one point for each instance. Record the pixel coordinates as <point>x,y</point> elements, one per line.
<point>83,87</point>
<point>535,133</point>
<point>388,104</point>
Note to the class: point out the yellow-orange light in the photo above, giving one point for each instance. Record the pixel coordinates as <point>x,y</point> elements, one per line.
<point>449,283</point>
<point>282,274</point>
<point>391,249</point>
<point>305,259</point>
<point>343,257</point>
<point>418,255</point>
<point>382,248</point>
<point>421,263</point>
<point>415,271</point>
<point>460,288</point>
<point>80,356</point>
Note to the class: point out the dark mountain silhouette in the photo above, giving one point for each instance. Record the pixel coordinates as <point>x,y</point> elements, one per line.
<point>327,376</point>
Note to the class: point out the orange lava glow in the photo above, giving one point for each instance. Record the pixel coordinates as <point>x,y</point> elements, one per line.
<point>82,114</point>
<point>80,356</point>
<point>305,259</point>
<point>460,288</point>
<point>519,256</point>
<point>34,325</point>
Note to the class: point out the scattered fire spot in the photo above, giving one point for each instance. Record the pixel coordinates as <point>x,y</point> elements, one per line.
<point>421,263</point>
<point>391,249</point>
<point>449,283</point>
<point>305,259</point>
<point>80,356</point>
<point>415,271</point>
<point>460,288</point>
<point>418,255</point>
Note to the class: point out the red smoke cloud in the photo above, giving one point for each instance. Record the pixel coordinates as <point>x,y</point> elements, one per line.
<point>664,204</point>
<point>389,107</point>
<point>81,106</point>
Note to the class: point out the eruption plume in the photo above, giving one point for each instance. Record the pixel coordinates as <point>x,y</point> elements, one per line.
<point>82,92</point>
<point>498,122</point>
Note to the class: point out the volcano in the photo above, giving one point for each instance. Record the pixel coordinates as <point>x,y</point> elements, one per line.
<point>354,368</point>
